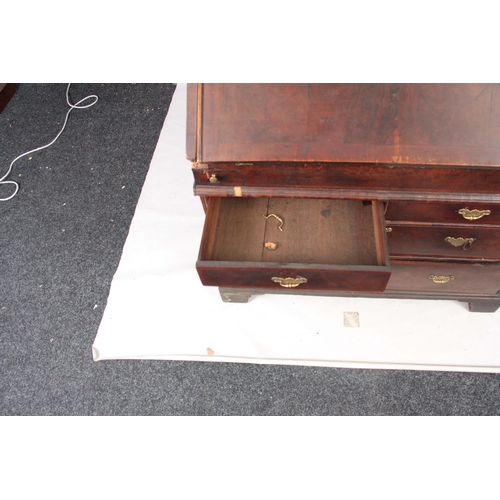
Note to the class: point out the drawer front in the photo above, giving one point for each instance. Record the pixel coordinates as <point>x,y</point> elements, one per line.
<point>439,241</point>
<point>446,213</point>
<point>445,278</point>
<point>275,276</point>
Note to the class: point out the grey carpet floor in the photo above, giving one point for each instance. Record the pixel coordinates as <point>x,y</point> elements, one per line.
<point>61,239</point>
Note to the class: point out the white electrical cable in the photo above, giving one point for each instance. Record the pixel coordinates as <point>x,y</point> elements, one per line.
<point>78,105</point>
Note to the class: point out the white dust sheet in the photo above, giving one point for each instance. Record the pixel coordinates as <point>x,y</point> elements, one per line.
<point>158,309</point>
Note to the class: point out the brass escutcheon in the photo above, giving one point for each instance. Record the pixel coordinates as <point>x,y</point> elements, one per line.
<point>441,279</point>
<point>465,243</point>
<point>473,214</point>
<point>290,282</point>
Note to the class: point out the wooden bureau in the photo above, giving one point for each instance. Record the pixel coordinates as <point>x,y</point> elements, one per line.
<point>369,190</point>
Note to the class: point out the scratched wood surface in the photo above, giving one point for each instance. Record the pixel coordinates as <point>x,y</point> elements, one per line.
<point>429,124</point>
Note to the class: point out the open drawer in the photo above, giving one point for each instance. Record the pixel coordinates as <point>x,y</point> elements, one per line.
<point>314,244</point>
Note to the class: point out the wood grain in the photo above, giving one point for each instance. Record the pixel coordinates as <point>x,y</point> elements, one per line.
<point>337,162</point>
<point>331,232</point>
<point>353,180</point>
<point>468,279</point>
<point>240,230</point>
<point>192,129</point>
<point>442,213</point>
<point>331,243</point>
<point>431,124</point>
<point>429,241</point>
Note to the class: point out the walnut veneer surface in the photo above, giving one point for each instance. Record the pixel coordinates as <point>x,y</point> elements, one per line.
<point>428,154</point>
<point>445,124</point>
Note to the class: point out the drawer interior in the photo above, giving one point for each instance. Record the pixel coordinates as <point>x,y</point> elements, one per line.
<point>314,231</point>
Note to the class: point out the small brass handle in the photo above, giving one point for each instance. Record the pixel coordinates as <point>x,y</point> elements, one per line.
<point>279,219</point>
<point>290,282</point>
<point>213,179</point>
<point>465,243</point>
<point>441,279</point>
<point>473,214</point>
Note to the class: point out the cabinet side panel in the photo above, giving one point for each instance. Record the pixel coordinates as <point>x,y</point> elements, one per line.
<point>211,220</point>
<point>191,122</point>
<point>380,233</point>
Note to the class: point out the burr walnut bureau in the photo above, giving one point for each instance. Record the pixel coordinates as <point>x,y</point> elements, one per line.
<point>367,190</point>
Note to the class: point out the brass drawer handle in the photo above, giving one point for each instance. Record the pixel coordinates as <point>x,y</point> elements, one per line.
<point>279,219</point>
<point>290,282</point>
<point>465,243</point>
<point>441,279</point>
<point>213,179</point>
<point>473,214</point>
